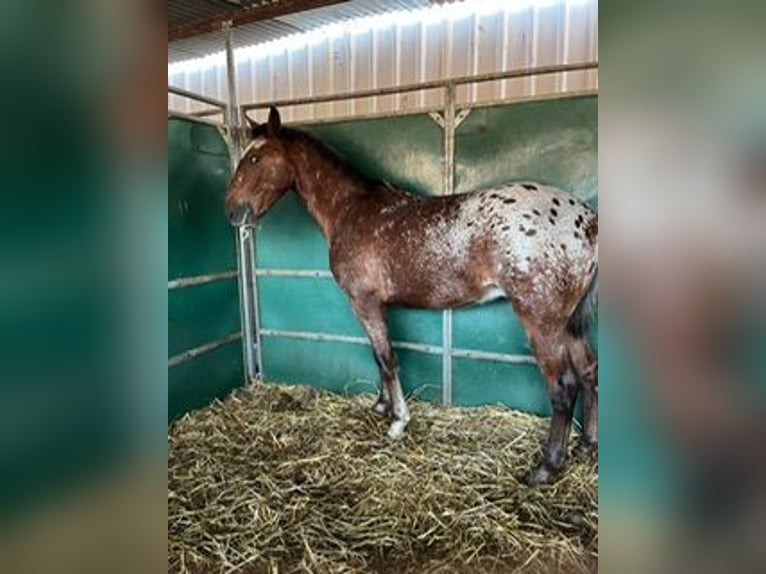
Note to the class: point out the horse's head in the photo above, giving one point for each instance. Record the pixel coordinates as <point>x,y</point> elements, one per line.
<point>263,175</point>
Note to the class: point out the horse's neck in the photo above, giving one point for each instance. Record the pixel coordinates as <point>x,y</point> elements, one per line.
<point>327,188</point>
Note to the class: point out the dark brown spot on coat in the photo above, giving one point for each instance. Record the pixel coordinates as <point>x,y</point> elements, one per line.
<point>554,213</point>
<point>536,212</point>
<point>552,221</point>
<point>591,230</point>
<point>505,227</point>
<point>576,235</point>
<point>578,223</point>
<point>531,232</point>
<point>556,201</point>
<point>509,200</point>
<point>527,216</point>
<point>529,186</point>
<point>571,202</point>
<point>564,247</point>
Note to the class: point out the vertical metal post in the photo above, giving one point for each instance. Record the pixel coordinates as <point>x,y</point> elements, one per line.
<point>449,189</point>
<point>245,236</point>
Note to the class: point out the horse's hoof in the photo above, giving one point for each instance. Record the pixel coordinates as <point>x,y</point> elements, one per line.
<point>542,474</point>
<point>380,408</point>
<point>587,451</point>
<point>396,430</point>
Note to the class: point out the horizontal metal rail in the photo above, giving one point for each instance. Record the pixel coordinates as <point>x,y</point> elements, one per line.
<point>419,347</point>
<point>205,113</point>
<point>190,354</point>
<point>182,282</point>
<point>494,357</point>
<point>417,111</point>
<point>196,119</point>
<point>430,85</point>
<point>197,97</point>
<point>320,273</point>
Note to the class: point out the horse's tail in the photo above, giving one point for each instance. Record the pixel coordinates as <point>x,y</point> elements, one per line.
<point>582,318</point>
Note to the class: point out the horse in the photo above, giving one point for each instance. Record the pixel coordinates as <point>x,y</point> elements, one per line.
<point>532,244</point>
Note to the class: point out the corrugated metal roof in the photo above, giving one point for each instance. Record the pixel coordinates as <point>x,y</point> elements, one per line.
<point>187,11</point>
<point>184,11</point>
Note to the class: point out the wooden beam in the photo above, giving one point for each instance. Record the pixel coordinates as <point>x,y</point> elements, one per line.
<point>246,16</point>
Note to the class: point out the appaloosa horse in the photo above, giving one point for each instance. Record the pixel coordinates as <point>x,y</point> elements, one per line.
<point>530,243</point>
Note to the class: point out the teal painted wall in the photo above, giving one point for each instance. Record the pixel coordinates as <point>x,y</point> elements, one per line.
<point>200,241</point>
<point>553,142</point>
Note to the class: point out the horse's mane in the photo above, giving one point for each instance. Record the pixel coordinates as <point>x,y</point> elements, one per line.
<point>295,135</point>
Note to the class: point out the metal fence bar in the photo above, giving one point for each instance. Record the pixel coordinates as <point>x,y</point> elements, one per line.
<point>195,119</point>
<point>432,109</point>
<point>182,282</point>
<point>449,189</point>
<point>430,85</point>
<point>252,256</point>
<point>205,113</point>
<point>197,97</point>
<point>190,354</point>
<point>332,338</point>
<point>418,347</point>
<point>494,357</point>
<point>245,235</point>
<point>321,273</point>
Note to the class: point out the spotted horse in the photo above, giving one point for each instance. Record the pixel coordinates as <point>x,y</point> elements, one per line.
<point>532,244</point>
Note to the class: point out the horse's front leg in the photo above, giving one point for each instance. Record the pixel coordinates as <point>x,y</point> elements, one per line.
<point>371,313</point>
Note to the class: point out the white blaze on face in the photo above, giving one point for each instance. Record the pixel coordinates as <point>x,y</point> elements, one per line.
<point>253,145</point>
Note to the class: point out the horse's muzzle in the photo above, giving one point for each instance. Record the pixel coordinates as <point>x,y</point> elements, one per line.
<point>240,214</point>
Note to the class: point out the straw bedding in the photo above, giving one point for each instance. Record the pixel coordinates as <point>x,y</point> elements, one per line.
<point>287,479</point>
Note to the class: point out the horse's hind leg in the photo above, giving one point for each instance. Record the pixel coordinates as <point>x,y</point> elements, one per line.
<point>370,312</point>
<point>563,385</point>
<point>586,364</point>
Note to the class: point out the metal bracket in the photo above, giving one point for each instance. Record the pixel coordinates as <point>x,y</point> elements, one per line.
<point>438,117</point>
<point>461,115</point>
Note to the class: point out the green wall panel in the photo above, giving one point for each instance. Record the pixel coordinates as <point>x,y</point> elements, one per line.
<point>339,367</point>
<point>492,327</point>
<point>319,304</point>
<point>288,238</point>
<point>200,241</point>
<point>190,326</point>
<point>415,325</point>
<point>484,382</point>
<point>346,367</point>
<point>553,142</point>
<point>196,383</point>
<point>405,150</point>
<point>303,304</point>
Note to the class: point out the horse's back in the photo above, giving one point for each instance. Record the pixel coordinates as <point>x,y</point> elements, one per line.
<point>447,251</point>
<point>544,244</point>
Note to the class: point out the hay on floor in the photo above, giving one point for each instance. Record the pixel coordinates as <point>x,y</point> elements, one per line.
<point>287,479</point>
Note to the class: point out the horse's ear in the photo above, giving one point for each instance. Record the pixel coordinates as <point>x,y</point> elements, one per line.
<point>275,122</point>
